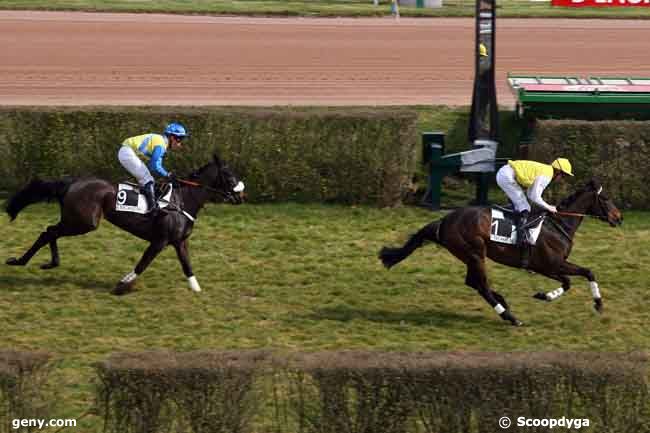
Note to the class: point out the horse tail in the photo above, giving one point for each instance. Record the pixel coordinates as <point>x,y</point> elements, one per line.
<point>392,256</point>
<point>36,191</point>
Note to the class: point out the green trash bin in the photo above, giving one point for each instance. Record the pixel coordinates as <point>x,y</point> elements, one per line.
<point>433,154</point>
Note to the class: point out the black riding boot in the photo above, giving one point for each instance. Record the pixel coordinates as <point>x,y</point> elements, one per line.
<point>522,238</point>
<point>150,195</point>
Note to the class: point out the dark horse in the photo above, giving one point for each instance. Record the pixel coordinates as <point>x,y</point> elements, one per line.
<point>465,232</point>
<point>84,201</point>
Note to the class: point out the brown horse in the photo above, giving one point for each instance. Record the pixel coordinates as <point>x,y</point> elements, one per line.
<point>84,201</point>
<point>465,233</point>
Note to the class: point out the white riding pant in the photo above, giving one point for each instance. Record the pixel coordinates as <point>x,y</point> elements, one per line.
<point>507,181</point>
<point>134,165</point>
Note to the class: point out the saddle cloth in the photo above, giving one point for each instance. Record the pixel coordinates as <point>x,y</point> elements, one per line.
<point>130,199</point>
<point>503,229</point>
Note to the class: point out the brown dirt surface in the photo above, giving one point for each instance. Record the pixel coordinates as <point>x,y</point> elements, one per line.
<point>60,58</point>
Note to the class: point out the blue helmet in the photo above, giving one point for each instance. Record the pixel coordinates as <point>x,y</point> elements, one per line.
<point>176,129</point>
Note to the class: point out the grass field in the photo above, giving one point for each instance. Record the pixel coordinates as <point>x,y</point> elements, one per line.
<point>451,8</point>
<point>303,277</point>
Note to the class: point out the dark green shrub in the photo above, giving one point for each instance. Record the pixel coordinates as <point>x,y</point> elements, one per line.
<point>312,155</point>
<point>198,392</point>
<point>615,152</point>
<point>23,395</point>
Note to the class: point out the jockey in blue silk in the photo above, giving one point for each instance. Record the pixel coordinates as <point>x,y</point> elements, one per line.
<point>151,147</point>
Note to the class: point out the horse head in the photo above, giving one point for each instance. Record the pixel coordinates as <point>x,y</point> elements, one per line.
<point>220,179</point>
<point>591,200</point>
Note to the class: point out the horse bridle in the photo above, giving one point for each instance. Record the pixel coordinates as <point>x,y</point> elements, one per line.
<point>601,204</point>
<point>221,194</point>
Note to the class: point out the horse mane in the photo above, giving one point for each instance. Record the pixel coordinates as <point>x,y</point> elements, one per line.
<point>216,161</point>
<point>573,197</point>
<point>197,173</point>
<point>567,201</point>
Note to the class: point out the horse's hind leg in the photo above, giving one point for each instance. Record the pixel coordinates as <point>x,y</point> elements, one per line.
<point>54,251</point>
<point>49,236</point>
<point>477,279</point>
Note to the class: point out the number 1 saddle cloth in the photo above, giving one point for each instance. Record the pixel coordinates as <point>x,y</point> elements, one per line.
<point>503,229</point>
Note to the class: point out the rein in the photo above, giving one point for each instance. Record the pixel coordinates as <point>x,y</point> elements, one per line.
<point>574,214</point>
<point>188,182</point>
<point>200,185</point>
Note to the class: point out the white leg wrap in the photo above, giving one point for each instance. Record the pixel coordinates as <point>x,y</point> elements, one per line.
<point>194,284</point>
<point>129,277</point>
<point>595,291</point>
<point>554,294</point>
<point>499,309</point>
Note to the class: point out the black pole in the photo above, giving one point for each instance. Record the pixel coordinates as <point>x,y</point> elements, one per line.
<point>484,115</point>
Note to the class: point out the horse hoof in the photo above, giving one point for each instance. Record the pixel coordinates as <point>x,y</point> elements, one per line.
<point>12,261</point>
<point>517,322</point>
<point>598,305</point>
<point>50,265</point>
<point>122,289</point>
<point>541,296</point>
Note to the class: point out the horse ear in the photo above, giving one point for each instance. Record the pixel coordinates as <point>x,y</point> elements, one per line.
<point>217,160</point>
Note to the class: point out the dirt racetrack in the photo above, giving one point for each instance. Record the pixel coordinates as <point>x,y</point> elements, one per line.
<point>52,58</point>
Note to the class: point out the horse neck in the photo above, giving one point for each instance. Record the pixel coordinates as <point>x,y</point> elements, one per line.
<point>193,199</point>
<point>579,206</point>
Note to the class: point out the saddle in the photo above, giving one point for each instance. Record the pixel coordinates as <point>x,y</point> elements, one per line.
<point>131,199</point>
<point>504,230</point>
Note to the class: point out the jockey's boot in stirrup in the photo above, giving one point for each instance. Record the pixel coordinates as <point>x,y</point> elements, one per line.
<point>150,195</point>
<point>522,237</point>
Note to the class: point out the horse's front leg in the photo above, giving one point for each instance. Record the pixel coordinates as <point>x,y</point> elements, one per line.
<point>561,273</point>
<point>126,283</point>
<point>568,268</point>
<point>184,257</point>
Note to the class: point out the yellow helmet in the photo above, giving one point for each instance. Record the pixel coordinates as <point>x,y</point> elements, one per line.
<point>563,165</point>
<point>482,50</point>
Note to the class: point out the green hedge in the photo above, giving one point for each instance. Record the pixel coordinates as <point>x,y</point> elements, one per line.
<point>615,152</point>
<point>371,392</point>
<point>162,391</point>
<point>453,392</point>
<point>312,155</point>
<point>23,388</point>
